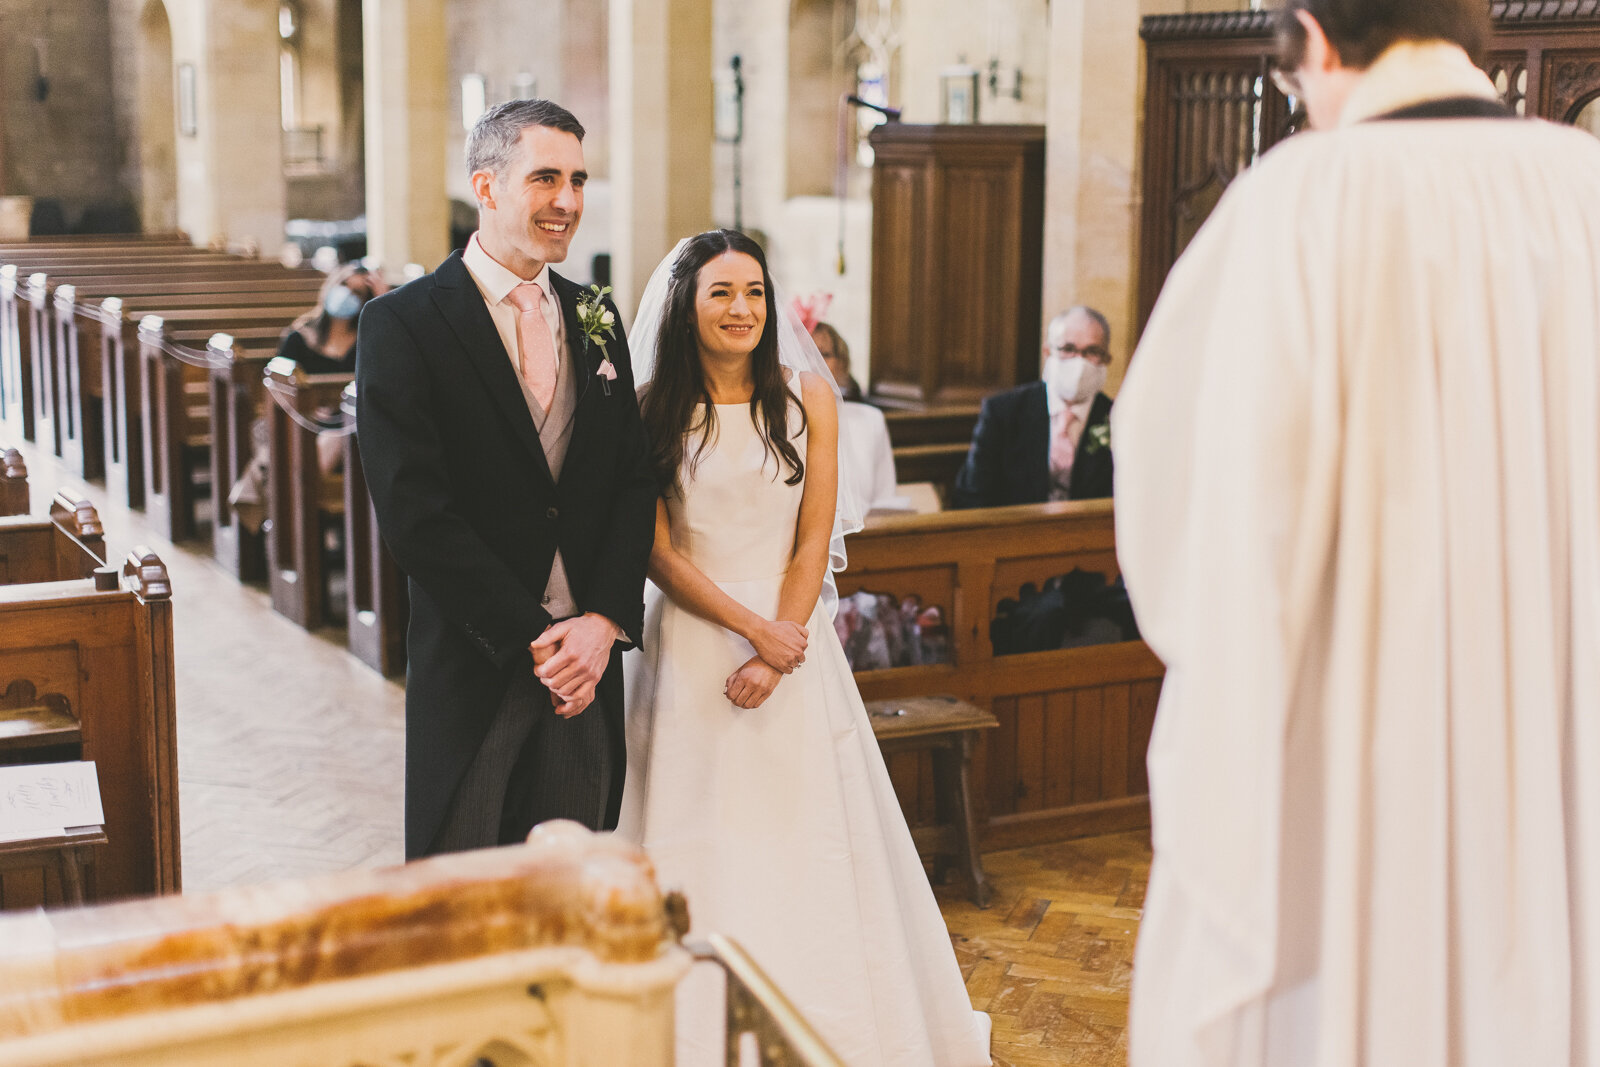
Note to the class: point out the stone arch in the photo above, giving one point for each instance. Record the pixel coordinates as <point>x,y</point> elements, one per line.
<point>157,121</point>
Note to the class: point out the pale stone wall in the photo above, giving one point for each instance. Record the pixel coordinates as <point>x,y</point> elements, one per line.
<point>563,46</point>
<point>64,146</point>
<point>661,134</point>
<point>943,33</point>
<point>1095,121</point>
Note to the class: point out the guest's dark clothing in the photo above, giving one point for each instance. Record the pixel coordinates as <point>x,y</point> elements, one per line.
<point>295,346</point>
<point>1009,461</point>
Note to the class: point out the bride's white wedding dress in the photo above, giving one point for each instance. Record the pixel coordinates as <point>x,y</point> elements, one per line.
<point>779,823</point>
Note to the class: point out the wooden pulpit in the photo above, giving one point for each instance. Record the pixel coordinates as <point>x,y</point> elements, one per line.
<point>957,262</point>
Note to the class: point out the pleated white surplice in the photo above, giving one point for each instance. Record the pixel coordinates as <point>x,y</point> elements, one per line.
<point>1358,510</point>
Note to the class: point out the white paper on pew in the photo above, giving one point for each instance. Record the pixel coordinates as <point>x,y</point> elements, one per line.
<point>47,799</point>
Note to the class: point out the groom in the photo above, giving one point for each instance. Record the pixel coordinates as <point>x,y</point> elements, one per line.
<point>512,482</point>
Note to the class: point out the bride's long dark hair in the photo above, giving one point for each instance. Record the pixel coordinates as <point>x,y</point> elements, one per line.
<point>678,386</point>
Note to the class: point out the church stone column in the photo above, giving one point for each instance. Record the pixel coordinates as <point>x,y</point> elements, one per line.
<point>661,134</point>
<point>407,97</point>
<point>1093,126</point>
<point>245,122</point>
<point>224,79</point>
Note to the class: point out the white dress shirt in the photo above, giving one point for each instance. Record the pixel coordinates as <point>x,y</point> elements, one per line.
<point>495,281</point>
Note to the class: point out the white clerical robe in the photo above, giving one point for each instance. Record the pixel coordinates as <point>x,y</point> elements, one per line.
<point>1358,511</point>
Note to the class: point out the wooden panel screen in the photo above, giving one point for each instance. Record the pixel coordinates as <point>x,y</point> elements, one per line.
<point>1068,756</point>
<point>1211,109</point>
<point>957,261</point>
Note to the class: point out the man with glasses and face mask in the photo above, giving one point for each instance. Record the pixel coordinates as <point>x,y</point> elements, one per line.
<point>1047,440</point>
<point>1358,513</point>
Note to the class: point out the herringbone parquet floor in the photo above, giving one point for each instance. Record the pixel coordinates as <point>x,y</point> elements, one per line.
<point>290,756</point>
<point>1050,960</point>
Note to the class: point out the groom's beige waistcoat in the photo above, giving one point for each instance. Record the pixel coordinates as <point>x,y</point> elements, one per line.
<point>555,434</point>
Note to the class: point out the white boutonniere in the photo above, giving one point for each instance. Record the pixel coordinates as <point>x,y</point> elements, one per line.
<point>598,324</point>
<point>1099,437</point>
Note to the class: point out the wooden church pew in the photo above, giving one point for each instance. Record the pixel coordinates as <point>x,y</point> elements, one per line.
<point>931,446</point>
<point>13,483</point>
<point>69,544</point>
<point>79,339</point>
<point>377,604</point>
<point>94,240</point>
<point>174,381</point>
<point>562,951</point>
<point>936,426</point>
<point>123,369</point>
<point>237,399</point>
<point>302,502</point>
<point>1068,756</point>
<point>86,657</point>
<point>25,300</point>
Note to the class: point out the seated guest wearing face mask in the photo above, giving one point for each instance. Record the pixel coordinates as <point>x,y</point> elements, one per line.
<point>323,340</point>
<point>1047,440</point>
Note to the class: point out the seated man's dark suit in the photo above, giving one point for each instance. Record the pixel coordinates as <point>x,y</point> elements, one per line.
<point>1009,461</point>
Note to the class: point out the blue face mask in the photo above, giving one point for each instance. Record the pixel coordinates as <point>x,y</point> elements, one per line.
<point>342,303</point>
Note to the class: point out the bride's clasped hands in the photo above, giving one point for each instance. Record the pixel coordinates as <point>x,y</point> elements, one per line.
<point>780,648</point>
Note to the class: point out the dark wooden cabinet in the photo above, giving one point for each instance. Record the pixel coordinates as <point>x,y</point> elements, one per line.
<point>957,258</point>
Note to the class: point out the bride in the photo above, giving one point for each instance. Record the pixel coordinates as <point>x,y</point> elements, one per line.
<point>754,780</point>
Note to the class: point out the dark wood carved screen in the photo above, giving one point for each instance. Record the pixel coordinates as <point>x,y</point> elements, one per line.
<point>1211,108</point>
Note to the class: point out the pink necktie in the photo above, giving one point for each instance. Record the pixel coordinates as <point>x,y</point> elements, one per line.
<point>536,351</point>
<point>1063,449</point>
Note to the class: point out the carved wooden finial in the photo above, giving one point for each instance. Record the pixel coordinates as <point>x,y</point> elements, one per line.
<point>76,513</point>
<point>146,569</point>
<point>13,464</point>
<point>285,371</point>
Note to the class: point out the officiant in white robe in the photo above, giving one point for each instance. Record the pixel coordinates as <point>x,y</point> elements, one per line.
<point>1358,511</point>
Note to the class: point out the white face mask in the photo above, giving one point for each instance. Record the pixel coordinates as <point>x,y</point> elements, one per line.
<point>1074,379</point>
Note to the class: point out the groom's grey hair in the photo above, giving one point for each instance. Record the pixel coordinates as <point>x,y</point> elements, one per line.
<point>493,140</point>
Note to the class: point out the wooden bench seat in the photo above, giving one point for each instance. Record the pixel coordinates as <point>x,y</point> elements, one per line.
<point>27,290</point>
<point>81,352</point>
<point>173,384</point>
<point>936,426</point>
<point>303,504</point>
<point>13,483</point>
<point>70,544</point>
<point>938,464</point>
<point>377,600</point>
<point>86,673</point>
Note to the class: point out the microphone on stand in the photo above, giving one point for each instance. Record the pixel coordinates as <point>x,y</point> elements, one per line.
<point>891,114</point>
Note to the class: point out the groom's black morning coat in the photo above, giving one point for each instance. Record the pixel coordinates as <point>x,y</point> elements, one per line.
<point>468,507</point>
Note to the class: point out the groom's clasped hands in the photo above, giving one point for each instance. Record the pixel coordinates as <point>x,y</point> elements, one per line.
<point>780,647</point>
<point>569,658</point>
